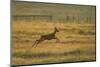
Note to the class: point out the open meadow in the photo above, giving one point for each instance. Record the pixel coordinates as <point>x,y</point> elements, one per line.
<point>76,42</point>
<point>62,32</point>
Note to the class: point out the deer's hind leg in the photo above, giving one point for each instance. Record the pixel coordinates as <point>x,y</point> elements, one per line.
<point>39,41</point>
<point>35,43</point>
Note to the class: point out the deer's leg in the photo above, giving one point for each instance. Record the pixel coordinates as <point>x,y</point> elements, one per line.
<point>57,40</point>
<point>35,43</point>
<point>39,41</point>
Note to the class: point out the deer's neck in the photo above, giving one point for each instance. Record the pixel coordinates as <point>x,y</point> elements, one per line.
<point>54,32</point>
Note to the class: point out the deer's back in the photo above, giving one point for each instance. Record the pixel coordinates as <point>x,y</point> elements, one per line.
<point>48,36</point>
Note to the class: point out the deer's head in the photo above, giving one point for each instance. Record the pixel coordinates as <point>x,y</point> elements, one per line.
<point>56,30</point>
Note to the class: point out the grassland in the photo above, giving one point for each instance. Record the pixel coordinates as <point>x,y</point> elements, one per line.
<point>77,42</point>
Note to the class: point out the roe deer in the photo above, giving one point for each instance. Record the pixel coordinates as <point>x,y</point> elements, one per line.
<point>47,37</point>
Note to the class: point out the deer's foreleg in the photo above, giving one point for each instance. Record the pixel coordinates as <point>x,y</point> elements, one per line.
<point>57,40</point>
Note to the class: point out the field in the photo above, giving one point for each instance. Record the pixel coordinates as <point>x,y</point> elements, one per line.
<point>76,42</point>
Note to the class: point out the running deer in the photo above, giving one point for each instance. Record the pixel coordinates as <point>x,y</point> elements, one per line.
<point>47,37</point>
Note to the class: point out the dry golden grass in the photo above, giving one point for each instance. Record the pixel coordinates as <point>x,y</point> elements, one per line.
<point>77,42</point>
